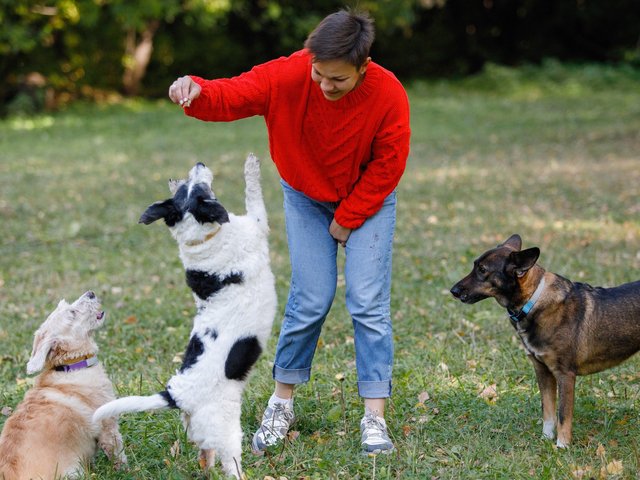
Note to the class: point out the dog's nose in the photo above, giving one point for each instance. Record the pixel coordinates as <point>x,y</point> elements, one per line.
<point>90,295</point>
<point>456,291</point>
<point>200,165</point>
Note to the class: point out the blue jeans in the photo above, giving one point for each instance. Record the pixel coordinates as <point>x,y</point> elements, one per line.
<point>313,252</point>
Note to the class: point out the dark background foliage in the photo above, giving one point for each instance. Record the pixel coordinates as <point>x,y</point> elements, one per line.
<point>61,50</point>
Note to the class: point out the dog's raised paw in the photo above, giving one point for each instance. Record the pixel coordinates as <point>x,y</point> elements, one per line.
<point>252,165</point>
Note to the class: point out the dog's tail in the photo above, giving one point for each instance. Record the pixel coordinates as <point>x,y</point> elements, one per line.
<point>254,200</point>
<point>134,404</point>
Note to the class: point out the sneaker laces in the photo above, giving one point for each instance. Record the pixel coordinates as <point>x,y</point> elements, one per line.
<point>374,428</point>
<point>280,417</point>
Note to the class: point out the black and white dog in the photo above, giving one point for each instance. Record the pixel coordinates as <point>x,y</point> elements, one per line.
<point>226,258</point>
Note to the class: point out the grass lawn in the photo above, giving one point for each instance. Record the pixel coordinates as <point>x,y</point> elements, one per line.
<point>550,153</point>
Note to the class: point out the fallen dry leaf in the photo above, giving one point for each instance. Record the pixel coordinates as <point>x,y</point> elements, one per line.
<point>423,397</point>
<point>489,393</point>
<point>600,451</point>
<point>615,467</point>
<point>175,449</point>
<point>581,472</point>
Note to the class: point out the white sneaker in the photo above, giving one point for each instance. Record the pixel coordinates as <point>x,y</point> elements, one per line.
<point>374,435</point>
<point>276,422</point>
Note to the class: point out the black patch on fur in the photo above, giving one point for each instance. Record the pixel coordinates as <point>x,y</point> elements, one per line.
<point>169,399</point>
<point>242,356</point>
<point>205,284</point>
<point>212,332</point>
<point>194,350</point>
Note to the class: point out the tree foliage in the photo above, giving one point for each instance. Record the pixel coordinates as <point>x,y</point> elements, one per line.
<point>87,47</point>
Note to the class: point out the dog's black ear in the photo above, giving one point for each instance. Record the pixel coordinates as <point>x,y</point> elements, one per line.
<point>520,262</point>
<point>166,209</point>
<point>210,211</point>
<point>514,241</point>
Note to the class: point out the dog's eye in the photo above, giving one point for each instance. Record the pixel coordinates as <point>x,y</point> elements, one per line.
<point>482,269</point>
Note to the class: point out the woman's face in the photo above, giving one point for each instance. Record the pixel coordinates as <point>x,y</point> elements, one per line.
<point>336,78</point>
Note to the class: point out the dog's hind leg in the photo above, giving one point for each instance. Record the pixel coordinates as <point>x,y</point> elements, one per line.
<point>230,465</point>
<point>217,430</point>
<point>207,458</point>
<point>230,458</point>
<point>254,200</point>
<point>566,390</point>
<point>230,444</point>
<point>231,452</point>
<point>548,393</point>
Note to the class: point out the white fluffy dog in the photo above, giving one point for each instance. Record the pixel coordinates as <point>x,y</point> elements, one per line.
<point>226,258</point>
<point>51,434</point>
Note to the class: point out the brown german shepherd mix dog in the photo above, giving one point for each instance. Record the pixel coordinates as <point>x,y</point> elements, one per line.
<point>567,328</point>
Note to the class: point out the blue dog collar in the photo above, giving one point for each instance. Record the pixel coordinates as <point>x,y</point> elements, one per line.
<point>517,317</point>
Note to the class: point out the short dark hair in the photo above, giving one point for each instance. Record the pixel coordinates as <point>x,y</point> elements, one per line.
<point>344,35</point>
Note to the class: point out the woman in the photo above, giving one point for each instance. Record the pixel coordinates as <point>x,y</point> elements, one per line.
<point>338,128</point>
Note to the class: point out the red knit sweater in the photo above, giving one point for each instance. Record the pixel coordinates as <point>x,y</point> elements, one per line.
<point>352,150</point>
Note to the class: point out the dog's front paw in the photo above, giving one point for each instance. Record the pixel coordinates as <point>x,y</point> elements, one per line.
<point>120,461</point>
<point>561,444</point>
<point>252,166</point>
<point>548,430</point>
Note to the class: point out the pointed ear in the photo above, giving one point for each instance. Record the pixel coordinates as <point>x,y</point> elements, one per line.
<point>514,241</point>
<point>521,262</point>
<point>42,345</point>
<point>166,210</point>
<point>210,211</point>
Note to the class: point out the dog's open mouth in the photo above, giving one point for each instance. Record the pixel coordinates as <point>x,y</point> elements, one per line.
<point>100,315</point>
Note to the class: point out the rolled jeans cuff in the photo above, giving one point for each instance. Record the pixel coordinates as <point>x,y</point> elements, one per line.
<point>291,376</point>
<point>380,389</point>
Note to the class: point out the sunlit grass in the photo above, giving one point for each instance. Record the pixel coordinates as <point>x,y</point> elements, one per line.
<point>551,154</point>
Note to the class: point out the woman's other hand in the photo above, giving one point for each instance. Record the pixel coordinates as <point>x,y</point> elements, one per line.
<point>340,233</point>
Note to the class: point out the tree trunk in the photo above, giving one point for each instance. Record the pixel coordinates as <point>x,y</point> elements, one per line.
<point>138,49</point>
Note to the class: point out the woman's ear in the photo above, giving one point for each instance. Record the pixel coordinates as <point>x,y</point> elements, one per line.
<point>363,67</point>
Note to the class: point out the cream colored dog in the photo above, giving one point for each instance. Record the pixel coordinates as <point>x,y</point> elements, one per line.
<point>51,435</point>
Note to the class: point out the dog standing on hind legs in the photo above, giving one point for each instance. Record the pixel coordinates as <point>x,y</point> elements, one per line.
<point>226,258</point>
<point>568,329</point>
